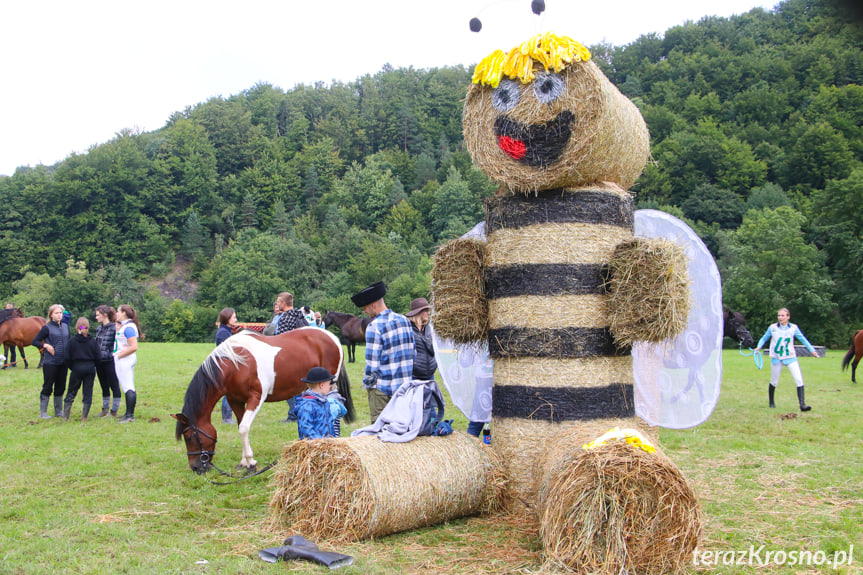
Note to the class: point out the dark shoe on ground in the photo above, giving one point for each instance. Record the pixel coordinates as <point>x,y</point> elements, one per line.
<point>102,413</point>
<point>126,419</point>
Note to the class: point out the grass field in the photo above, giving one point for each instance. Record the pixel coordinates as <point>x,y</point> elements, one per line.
<point>98,497</point>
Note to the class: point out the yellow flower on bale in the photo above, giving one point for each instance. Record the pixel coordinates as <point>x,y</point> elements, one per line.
<point>630,436</point>
<point>551,51</point>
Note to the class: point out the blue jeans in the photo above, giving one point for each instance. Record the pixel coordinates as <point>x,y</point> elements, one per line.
<point>226,410</point>
<point>475,428</point>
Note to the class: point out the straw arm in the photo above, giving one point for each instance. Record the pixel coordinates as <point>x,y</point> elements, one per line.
<point>648,291</point>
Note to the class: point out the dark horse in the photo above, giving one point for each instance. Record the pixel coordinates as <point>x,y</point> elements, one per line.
<point>856,352</point>
<point>19,332</point>
<point>734,326</point>
<point>251,369</point>
<point>353,330</point>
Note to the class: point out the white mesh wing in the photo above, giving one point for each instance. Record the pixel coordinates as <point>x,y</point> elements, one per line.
<point>677,381</point>
<point>466,369</point>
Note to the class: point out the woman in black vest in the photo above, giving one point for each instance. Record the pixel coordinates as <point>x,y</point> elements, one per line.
<point>425,363</point>
<point>53,339</point>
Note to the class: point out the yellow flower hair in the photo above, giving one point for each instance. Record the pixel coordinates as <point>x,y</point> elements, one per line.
<point>552,51</point>
<point>630,436</point>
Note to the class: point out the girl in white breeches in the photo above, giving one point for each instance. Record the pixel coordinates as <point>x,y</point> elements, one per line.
<point>125,358</point>
<point>782,335</point>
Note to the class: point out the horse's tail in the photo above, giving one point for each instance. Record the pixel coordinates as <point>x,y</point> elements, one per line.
<point>850,355</point>
<point>344,386</point>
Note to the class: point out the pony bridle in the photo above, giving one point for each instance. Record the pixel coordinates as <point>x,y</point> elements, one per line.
<point>205,455</point>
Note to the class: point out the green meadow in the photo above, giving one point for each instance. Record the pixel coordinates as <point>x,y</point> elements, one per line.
<point>98,497</point>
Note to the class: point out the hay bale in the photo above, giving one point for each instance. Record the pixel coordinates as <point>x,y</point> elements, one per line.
<point>609,141</point>
<point>648,291</point>
<point>356,488</point>
<point>616,509</point>
<point>458,291</point>
<point>530,449</point>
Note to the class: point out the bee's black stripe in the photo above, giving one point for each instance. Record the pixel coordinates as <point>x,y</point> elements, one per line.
<point>554,207</point>
<point>545,280</point>
<point>563,403</point>
<point>565,342</point>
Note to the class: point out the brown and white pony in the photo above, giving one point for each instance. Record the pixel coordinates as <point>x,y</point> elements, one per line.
<point>251,369</point>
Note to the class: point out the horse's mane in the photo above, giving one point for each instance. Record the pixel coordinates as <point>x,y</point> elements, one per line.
<point>341,314</point>
<point>6,314</point>
<point>208,375</point>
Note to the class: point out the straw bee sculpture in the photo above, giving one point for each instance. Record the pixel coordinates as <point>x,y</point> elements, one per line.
<point>561,288</point>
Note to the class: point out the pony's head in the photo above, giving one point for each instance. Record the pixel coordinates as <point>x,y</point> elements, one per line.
<point>200,442</point>
<point>735,328</point>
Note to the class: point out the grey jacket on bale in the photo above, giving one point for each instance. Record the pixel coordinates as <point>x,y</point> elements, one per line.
<point>402,418</point>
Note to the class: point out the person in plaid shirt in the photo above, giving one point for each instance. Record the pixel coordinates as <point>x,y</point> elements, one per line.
<point>390,348</point>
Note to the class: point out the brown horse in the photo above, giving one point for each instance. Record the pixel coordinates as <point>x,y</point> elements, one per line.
<point>353,330</point>
<point>856,352</point>
<point>251,369</point>
<point>19,332</point>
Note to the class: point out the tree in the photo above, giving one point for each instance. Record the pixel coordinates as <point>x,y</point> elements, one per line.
<point>819,153</point>
<point>709,203</point>
<point>839,227</point>
<point>281,226</point>
<point>773,267</point>
<point>249,212</point>
<point>456,210</point>
<point>195,240</point>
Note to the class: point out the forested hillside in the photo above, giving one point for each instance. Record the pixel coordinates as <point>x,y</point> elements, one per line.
<point>757,139</point>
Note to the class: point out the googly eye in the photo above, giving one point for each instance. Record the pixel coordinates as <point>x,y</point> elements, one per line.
<point>505,96</point>
<point>548,87</point>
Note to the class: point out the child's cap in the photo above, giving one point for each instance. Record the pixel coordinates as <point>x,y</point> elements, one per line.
<point>318,375</point>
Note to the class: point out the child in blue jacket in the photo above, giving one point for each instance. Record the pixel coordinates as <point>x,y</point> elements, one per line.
<point>316,413</point>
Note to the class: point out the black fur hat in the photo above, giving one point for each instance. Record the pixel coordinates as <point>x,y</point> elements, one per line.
<point>370,295</point>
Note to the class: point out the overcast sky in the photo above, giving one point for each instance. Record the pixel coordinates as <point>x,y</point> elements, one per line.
<point>76,73</point>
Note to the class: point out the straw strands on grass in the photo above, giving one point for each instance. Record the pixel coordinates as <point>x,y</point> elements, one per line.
<point>458,291</point>
<point>617,509</point>
<point>648,291</point>
<point>360,487</point>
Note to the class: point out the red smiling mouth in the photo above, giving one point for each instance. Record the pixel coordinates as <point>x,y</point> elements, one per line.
<point>537,145</point>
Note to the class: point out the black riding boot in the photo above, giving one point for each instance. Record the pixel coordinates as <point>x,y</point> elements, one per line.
<point>67,410</point>
<point>771,390</point>
<point>85,411</point>
<point>43,407</point>
<point>58,406</point>
<point>131,400</point>
<point>800,396</point>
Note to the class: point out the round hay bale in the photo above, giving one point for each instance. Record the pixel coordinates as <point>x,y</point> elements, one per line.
<point>458,291</point>
<point>356,488</point>
<point>616,509</point>
<point>648,291</point>
<point>609,141</point>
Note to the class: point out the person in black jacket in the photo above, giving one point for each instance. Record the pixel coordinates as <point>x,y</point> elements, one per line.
<point>105,335</point>
<point>82,353</point>
<point>425,363</point>
<point>53,338</point>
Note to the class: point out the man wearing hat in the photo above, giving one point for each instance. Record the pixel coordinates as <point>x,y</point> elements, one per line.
<point>389,348</point>
<point>425,363</point>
